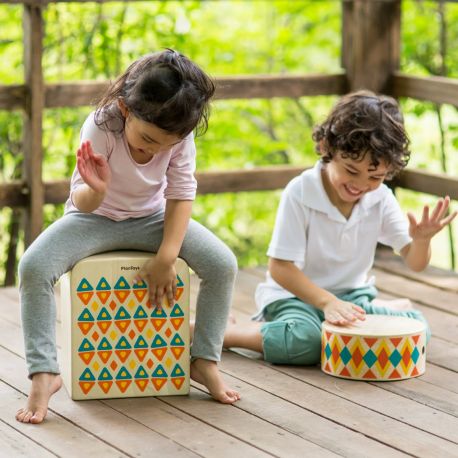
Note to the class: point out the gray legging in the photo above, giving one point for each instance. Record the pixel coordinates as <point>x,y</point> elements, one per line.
<point>78,235</point>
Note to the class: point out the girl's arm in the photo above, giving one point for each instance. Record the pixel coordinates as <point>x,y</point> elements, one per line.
<point>290,277</point>
<point>96,173</point>
<point>418,253</point>
<point>159,272</point>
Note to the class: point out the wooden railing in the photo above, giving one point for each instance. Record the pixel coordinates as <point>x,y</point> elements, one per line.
<point>367,26</point>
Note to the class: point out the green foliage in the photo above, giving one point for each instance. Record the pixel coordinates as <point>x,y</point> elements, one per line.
<point>97,41</point>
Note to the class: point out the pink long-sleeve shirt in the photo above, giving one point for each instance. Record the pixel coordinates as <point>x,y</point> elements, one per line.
<point>138,190</point>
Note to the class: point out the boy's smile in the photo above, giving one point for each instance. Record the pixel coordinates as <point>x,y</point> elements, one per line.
<point>346,180</point>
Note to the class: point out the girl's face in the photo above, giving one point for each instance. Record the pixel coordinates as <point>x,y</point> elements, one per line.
<point>145,140</point>
<point>346,180</point>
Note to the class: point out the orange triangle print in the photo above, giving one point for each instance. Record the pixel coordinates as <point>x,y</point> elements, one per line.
<point>344,372</point>
<point>141,384</point>
<point>86,386</point>
<point>158,323</point>
<point>140,324</point>
<point>369,374</point>
<point>415,339</point>
<point>122,324</point>
<point>395,340</point>
<point>177,351</point>
<point>141,354</point>
<point>123,354</point>
<point>395,374</point>
<point>121,295</point>
<point>158,382</point>
<point>177,322</point>
<point>414,372</point>
<point>327,368</point>
<point>370,340</point>
<point>328,335</point>
<point>104,355</point>
<point>105,386</point>
<point>179,293</point>
<point>123,384</point>
<point>159,353</point>
<point>103,296</point>
<point>140,294</point>
<point>346,339</point>
<point>103,325</point>
<point>86,356</point>
<point>85,326</point>
<point>85,297</point>
<point>178,381</point>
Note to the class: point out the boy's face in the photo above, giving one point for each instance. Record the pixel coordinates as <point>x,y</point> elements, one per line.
<point>347,180</point>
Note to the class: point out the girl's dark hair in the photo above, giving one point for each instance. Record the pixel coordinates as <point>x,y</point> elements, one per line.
<point>363,122</point>
<point>166,89</point>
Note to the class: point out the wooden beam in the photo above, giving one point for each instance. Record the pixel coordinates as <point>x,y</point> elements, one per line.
<point>258,179</point>
<point>33,123</point>
<point>432,88</point>
<point>370,42</point>
<point>234,87</point>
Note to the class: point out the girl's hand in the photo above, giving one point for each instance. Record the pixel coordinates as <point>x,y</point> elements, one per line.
<point>93,168</point>
<point>342,313</point>
<point>161,278</point>
<point>429,226</point>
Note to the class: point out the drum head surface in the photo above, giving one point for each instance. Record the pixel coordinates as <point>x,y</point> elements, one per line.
<point>379,325</point>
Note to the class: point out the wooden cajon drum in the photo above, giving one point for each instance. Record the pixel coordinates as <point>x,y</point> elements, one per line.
<point>379,348</point>
<point>115,344</point>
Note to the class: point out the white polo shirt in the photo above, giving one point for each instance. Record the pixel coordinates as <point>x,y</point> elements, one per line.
<point>333,252</point>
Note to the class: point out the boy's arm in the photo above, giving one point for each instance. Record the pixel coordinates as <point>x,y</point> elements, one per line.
<point>159,272</point>
<point>290,277</point>
<point>418,253</point>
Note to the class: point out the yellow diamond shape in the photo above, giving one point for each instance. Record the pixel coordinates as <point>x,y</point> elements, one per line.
<point>131,304</point>
<point>113,335</point>
<point>96,366</point>
<point>149,333</point>
<point>168,362</point>
<point>133,364</point>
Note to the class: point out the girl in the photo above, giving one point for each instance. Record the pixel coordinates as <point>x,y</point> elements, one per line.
<point>133,188</point>
<point>328,224</point>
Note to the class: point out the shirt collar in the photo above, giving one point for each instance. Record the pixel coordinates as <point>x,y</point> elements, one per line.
<point>315,197</point>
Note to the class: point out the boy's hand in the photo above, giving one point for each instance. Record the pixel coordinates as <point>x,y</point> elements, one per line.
<point>342,313</point>
<point>430,225</point>
<point>161,278</point>
<point>93,168</point>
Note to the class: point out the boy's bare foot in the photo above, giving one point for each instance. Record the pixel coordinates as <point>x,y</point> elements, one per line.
<point>206,372</point>
<point>44,385</point>
<point>401,304</point>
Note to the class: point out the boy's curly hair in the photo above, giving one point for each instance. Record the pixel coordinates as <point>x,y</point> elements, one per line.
<point>363,122</point>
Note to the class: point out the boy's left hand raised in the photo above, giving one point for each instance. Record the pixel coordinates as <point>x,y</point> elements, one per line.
<point>161,279</point>
<point>430,225</point>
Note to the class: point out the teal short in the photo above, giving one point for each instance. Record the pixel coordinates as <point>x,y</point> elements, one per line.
<point>292,331</point>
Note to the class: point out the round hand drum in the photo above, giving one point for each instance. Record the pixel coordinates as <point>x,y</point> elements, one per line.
<point>380,348</point>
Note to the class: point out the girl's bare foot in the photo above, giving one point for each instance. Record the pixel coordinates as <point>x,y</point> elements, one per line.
<point>44,385</point>
<point>206,372</point>
<point>401,304</point>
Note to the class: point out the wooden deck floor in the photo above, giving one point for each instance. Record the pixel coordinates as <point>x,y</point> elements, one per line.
<point>285,411</point>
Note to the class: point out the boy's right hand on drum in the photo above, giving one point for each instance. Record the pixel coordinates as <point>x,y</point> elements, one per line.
<point>93,168</point>
<point>341,312</point>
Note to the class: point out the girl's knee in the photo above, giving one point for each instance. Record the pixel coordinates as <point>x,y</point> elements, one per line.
<point>292,342</point>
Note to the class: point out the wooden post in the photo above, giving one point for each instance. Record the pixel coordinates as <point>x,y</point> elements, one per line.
<point>33,122</point>
<point>370,42</point>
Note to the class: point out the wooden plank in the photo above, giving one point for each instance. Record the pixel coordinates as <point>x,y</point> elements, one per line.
<point>421,293</point>
<point>331,398</point>
<point>439,278</point>
<point>32,132</point>
<point>261,438</point>
<point>436,184</point>
<point>431,88</point>
<point>232,87</point>
<point>16,444</point>
<point>72,441</point>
